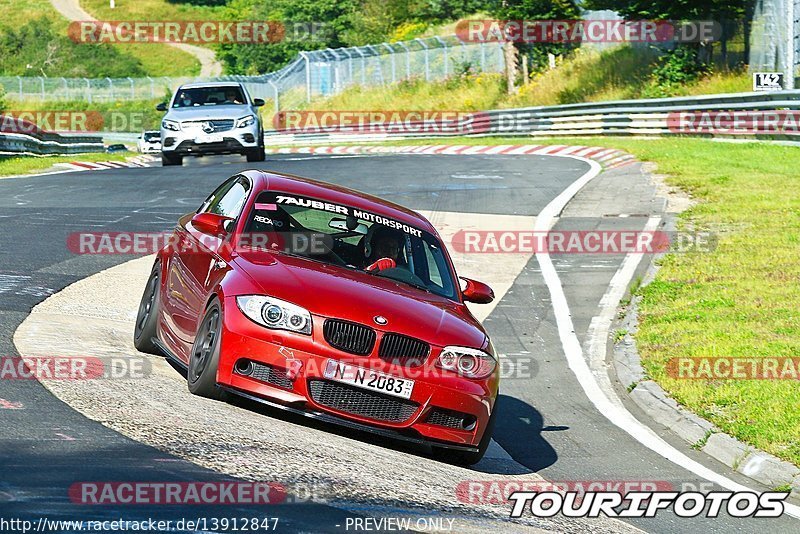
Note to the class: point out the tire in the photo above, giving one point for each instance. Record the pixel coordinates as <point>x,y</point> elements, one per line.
<point>147,317</point>
<point>258,154</point>
<point>204,358</point>
<point>170,159</point>
<point>452,456</point>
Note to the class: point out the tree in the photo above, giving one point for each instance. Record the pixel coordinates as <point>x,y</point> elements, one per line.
<point>533,10</point>
<point>726,13</point>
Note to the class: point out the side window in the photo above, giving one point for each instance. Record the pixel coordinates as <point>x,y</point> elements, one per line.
<point>218,192</point>
<point>433,265</point>
<point>229,199</point>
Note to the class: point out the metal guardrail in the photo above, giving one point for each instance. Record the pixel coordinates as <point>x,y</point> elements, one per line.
<point>622,117</point>
<point>48,143</point>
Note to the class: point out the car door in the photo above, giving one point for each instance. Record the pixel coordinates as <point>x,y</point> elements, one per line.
<point>197,264</point>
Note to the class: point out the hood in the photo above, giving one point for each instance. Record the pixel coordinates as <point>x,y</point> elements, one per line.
<point>356,296</point>
<point>217,112</point>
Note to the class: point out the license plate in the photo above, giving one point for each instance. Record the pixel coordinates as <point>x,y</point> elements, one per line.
<point>367,379</point>
<point>208,139</point>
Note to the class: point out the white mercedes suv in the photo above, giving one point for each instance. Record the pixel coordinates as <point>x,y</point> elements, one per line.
<point>211,118</point>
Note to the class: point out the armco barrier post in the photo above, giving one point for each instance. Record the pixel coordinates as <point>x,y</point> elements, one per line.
<point>408,59</point>
<point>363,66</point>
<point>308,75</point>
<point>377,62</point>
<point>427,60</point>
<point>444,52</point>
<point>276,96</point>
<point>392,57</point>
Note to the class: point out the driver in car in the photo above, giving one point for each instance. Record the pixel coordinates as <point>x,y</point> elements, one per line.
<point>231,97</point>
<point>382,247</point>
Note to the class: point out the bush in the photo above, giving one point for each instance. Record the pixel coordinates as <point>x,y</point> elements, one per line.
<point>674,70</point>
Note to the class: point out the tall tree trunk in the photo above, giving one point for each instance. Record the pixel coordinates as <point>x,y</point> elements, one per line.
<point>511,66</point>
<point>723,42</point>
<point>749,13</point>
<point>525,74</point>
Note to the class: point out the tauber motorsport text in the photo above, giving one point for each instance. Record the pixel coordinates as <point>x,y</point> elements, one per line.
<point>647,503</point>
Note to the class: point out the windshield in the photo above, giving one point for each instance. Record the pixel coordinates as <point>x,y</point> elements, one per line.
<point>351,238</point>
<point>209,96</point>
<point>152,136</point>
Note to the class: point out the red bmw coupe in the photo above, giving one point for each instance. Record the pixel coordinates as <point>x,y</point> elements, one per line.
<point>328,302</point>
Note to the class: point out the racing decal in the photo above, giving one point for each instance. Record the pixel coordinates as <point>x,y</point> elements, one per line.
<point>267,220</point>
<point>266,207</point>
<point>344,210</point>
<point>314,204</point>
<point>397,225</point>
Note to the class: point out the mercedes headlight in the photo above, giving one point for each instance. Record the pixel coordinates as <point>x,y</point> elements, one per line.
<point>472,363</point>
<point>275,313</point>
<point>170,125</point>
<point>244,122</point>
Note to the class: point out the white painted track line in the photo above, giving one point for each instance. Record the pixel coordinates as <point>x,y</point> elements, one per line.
<point>613,411</point>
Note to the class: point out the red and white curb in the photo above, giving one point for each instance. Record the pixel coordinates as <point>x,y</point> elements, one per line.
<point>132,162</point>
<point>609,158</point>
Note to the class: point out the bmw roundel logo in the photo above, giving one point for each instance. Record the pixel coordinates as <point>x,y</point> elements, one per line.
<point>380,319</point>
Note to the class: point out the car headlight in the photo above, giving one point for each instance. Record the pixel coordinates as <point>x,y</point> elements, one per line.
<point>170,125</point>
<point>472,363</point>
<point>244,122</point>
<point>275,313</point>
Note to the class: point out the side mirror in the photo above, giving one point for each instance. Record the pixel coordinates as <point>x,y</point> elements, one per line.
<point>212,224</point>
<point>161,106</point>
<point>257,102</point>
<point>477,292</point>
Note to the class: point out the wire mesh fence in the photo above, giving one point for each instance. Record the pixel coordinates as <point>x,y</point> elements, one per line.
<point>312,74</point>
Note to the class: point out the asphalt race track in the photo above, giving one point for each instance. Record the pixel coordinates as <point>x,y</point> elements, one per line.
<point>548,426</point>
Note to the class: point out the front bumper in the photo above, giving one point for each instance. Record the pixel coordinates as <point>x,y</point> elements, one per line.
<point>271,351</point>
<point>234,141</point>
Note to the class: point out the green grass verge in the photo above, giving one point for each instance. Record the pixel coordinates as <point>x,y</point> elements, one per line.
<point>12,166</point>
<point>742,299</point>
<point>156,59</point>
